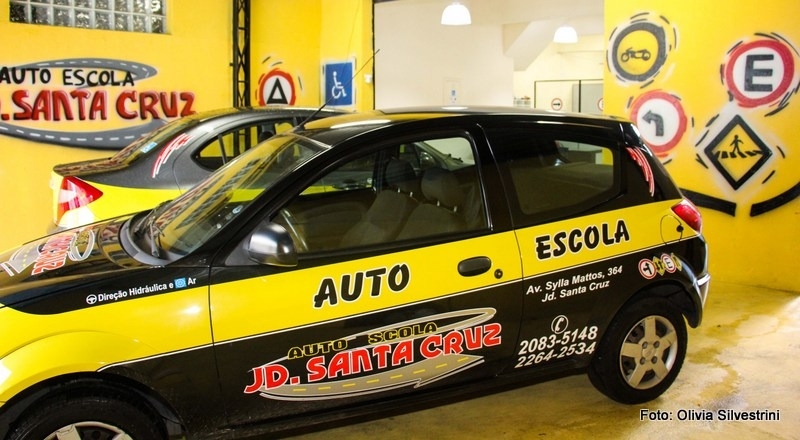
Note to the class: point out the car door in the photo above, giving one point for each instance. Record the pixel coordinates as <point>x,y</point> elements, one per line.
<point>568,206</point>
<point>419,297</point>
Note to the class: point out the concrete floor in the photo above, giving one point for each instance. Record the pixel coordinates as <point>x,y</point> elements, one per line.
<point>744,357</point>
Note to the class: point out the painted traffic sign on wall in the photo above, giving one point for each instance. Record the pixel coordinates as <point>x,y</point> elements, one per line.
<point>712,87</point>
<point>276,87</point>
<point>661,120</point>
<point>759,72</point>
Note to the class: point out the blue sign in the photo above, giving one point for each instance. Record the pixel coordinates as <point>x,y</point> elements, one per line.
<point>339,83</point>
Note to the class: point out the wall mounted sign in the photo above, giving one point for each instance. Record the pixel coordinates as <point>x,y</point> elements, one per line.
<point>739,84</point>
<point>338,83</point>
<point>37,99</point>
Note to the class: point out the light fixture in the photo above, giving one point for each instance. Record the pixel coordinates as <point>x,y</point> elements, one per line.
<point>565,34</point>
<point>456,14</point>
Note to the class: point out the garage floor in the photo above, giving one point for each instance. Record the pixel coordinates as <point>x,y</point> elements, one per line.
<point>744,357</point>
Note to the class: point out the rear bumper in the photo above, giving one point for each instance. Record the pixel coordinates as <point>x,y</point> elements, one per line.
<point>698,298</point>
<point>701,286</point>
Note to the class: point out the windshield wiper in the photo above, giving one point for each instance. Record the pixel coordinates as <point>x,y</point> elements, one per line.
<point>155,236</point>
<point>152,229</point>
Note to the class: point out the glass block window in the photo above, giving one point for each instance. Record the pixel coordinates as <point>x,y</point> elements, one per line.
<point>119,15</point>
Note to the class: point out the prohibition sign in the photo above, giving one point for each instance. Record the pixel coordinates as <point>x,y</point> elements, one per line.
<point>751,68</point>
<point>669,264</point>
<point>557,104</point>
<point>647,269</point>
<point>649,38</point>
<point>276,87</point>
<point>661,119</point>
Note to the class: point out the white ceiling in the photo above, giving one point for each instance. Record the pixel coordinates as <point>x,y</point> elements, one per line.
<point>528,25</point>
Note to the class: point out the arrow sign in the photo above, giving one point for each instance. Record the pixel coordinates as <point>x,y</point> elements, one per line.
<point>651,117</point>
<point>661,117</point>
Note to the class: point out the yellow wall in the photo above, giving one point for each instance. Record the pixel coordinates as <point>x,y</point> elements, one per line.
<point>285,36</point>
<point>189,59</point>
<point>296,36</point>
<point>293,36</point>
<point>725,131</point>
<point>348,35</point>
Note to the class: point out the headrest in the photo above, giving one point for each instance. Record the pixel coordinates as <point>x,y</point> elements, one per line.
<point>442,186</point>
<point>400,174</point>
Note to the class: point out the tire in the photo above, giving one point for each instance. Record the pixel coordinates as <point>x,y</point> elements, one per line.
<point>87,417</point>
<point>641,353</point>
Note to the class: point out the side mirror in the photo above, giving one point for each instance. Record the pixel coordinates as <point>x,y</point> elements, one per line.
<point>271,244</point>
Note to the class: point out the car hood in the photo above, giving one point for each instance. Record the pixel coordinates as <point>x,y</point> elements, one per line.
<point>63,260</point>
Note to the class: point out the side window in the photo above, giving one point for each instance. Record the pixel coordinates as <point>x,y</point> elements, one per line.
<point>402,192</point>
<point>448,153</point>
<point>353,175</point>
<point>554,175</point>
<point>230,144</point>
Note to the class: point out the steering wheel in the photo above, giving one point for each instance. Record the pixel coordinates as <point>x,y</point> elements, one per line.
<point>289,220</point>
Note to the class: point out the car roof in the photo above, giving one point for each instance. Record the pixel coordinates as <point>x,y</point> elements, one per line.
<point>335,129</point>
<point>278,110</point>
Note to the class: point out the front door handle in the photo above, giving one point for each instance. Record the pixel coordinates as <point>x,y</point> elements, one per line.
<point>474,266</point>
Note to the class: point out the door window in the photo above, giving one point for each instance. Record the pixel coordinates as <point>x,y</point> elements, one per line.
<point>553,175</point>
<point>404,191</point>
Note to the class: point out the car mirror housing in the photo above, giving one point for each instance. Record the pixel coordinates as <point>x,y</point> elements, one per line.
<point>271,244</point>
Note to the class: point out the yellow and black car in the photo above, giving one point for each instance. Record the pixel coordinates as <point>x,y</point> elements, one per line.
<point>356,264</point>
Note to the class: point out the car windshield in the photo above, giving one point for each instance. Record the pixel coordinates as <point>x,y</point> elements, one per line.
<point>177,228</point>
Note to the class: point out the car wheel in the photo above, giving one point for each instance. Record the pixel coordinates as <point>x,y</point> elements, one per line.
<point>84,418</point>
<point>641,352</point>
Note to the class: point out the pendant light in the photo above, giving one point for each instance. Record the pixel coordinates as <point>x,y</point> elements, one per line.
<point>456,14</point>
<point>565,34</point>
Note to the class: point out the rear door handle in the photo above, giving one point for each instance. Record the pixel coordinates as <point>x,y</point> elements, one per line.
<point>474,266</point>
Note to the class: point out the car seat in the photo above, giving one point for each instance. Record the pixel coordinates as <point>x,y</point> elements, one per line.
<point>392,206</point>
<point>440,215</point>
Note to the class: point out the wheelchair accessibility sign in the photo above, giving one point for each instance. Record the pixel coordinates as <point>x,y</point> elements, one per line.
<point>338,83</point>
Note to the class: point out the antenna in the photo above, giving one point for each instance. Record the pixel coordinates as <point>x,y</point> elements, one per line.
<point>347,84</point>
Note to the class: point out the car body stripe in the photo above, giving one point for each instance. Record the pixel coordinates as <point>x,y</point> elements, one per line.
<point>364,314</point>
<point>587,239</point>
<point>352,288</point>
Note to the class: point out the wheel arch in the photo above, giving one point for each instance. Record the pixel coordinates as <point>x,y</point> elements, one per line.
<point>625,369</point>
<point>92,384</point>
<point>677,293</point>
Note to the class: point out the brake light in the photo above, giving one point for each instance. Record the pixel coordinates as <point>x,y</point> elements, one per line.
<point>75,193</point>
<point>689,213</point>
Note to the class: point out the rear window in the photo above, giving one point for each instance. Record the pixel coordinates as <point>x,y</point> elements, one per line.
<point>147,143</point>
<point>553,174</point>
<point>225,146</point>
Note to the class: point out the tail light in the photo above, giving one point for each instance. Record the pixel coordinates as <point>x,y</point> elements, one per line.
<point>75,193</point>
<point>689,213</point>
